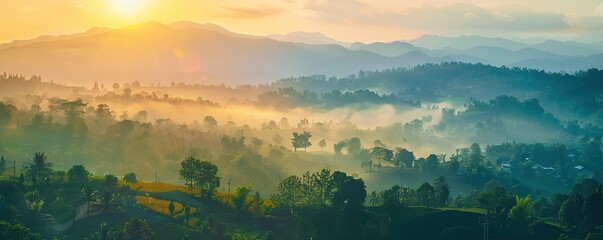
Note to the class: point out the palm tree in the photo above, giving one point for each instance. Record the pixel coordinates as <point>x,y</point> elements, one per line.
<point>36,218</point>
<point>87,195</point>
<point>38,168</point>
<point>107,203</point>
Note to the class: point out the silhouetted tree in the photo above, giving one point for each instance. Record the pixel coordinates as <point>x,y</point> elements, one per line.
<point>110,180</point>
<point>301,140</point>
<point>39,168</point>
<point>403,157</point>
<point>78,173</point>
<point>322,144</point>
<point>442,192</point>
<point>130,177</point>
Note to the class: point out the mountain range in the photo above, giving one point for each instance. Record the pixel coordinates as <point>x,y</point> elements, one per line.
<point>189,52</point>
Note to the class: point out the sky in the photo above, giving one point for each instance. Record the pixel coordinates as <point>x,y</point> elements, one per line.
<point>344,20</point>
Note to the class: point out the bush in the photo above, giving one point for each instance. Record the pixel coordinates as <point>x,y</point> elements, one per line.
<point>130,177</point>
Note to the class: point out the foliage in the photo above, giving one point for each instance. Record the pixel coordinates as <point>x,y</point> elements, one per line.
<point>301,140</point>
<point>201,174</point>
<point>110,180</point>
<point>16,231</point>
<point>239,198</point>
<point>78,174</point>
<point>130,177</point>
<point>39,168</point>
<point>137,229</point>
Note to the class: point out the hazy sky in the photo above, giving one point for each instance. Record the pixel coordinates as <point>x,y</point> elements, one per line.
<point>346,20</point>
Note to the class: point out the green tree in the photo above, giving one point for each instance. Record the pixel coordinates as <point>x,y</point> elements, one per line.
<point>130,177</point>
<point>431,163</point>
<point>442,192</point>
<point>137,229</point>
<point>88,195</point>
<point>354,146</point>
<point>7,112</point>
<point>171,207</point>
<point>239,198</point>
<point>289,193</point>
<point>110,180</point>
<point>78,174</point>
<point>189,171</point>
<point>322,144</point>
<point>520,215</point>
<point>256,204</point>
<point>497,204</point>
<point>39,168</point>
<point>379,154</point>
<point>425,194</point>
<point>403,157</point>
<point>207,179</point>
<point>210,122</point>
<point>301,140</point>
<point>16,231</point>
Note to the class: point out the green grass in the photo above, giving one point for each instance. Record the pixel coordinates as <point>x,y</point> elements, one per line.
<point>470,210</point>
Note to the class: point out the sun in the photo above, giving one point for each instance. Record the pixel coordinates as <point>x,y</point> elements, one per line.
<point>128,7</point>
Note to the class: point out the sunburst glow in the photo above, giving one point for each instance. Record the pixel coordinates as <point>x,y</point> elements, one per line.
<point>128,7</point>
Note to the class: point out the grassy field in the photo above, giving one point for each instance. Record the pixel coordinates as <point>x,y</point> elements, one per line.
<point>162,206</point>
<point>156,187</point>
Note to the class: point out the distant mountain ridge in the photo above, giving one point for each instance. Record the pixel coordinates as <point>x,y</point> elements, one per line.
<point>306,38</point>
<point>207,54</point>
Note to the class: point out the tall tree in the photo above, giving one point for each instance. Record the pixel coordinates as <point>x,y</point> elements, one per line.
<point>301,140</point>
<point>7,112</point>
<point>88,195</point>
<point>403,157</point>
<point>78,173</point>
<point>322,144</point>
<point>210,122</point>
<point>442,191</point>
<point>39,168</point>
<point>207,179</point>
<point>289,192</point>
<point>425,194</point>
<point>380,154</point>
<point>188,172</point>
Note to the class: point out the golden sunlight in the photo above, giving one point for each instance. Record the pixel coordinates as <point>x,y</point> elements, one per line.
<point>128,7</point>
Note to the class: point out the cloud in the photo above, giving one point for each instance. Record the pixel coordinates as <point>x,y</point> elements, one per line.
<point>338,10</point>
<point>252,12</point>
<point>459,18</point>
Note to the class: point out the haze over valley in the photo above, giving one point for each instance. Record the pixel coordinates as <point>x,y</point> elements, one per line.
<point>337,119</point>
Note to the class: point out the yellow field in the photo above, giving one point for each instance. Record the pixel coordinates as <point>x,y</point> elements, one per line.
<point>162,206</point>
<point>156,187</point>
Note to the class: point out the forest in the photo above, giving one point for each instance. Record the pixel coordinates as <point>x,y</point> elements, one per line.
<point>437,151</point>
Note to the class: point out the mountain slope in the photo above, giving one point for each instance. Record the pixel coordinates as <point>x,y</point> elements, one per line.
<point>158,53</point>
